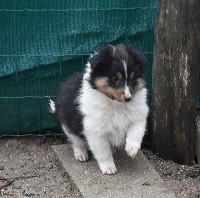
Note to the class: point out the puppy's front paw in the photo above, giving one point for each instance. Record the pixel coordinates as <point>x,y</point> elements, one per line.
<point>81,156</point>
<point>131,150</point>
<point>108,169</point>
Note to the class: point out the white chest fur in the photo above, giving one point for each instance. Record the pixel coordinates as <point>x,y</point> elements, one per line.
<point>110,118</point>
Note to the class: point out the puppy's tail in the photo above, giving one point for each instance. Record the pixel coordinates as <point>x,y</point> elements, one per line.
<point>52,106</point>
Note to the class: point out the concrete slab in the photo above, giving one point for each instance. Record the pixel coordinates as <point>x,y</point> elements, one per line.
<point>136,178</point>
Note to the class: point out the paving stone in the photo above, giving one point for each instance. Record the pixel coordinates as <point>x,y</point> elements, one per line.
<point>135,178</point>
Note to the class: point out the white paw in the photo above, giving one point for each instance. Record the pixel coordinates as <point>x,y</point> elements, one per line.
<point>109,170</point>
<point>81,156</point>
<point>131,150</point>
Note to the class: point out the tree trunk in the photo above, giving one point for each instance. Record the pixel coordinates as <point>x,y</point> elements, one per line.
<point>175,79</point>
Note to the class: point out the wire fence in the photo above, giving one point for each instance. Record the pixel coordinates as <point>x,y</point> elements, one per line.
<point>42,42</point>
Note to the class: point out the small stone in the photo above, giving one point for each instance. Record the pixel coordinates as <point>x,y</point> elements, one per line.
<point>29,194</point>
<point>146,183</point>
<point>188,173</point>
<point>1,167</point>
<point>16,186</point>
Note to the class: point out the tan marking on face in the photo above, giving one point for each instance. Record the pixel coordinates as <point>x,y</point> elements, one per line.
<point>119,76</point>
<point>132,75</point>
<point>118,94</point>
<point>102,86</point>
<point>101,82</point>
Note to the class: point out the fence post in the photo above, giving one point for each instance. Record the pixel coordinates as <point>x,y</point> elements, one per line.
<point>175,79</point>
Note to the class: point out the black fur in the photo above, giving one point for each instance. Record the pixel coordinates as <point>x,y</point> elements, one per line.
<point>66,105</point>
<point>136,61</point>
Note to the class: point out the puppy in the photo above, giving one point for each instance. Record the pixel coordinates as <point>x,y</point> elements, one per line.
<point>105,106</point>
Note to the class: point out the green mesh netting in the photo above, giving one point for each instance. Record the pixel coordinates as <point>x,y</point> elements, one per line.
<point>44,41</point>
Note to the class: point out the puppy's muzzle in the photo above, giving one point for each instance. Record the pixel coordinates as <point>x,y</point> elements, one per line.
<point>127,99</point>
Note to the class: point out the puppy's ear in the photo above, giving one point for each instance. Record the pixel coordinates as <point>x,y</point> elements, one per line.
<point>97,61</point>
<point>102,57</point>
<point>138,60</point>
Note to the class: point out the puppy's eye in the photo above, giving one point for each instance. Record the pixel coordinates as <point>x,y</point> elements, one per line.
<point>114,79</point>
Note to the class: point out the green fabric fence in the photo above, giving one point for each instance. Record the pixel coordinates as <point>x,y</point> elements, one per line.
<point>42,42</point>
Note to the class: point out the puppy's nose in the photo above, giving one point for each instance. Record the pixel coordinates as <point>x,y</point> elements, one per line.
<point>127,99</point>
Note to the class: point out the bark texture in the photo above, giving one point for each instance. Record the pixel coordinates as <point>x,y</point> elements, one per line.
<point>175,79</point>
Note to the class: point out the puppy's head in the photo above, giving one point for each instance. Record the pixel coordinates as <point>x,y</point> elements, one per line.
<point>117,72</point>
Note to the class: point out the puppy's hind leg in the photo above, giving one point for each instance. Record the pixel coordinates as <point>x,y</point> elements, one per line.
<point>78,145</point>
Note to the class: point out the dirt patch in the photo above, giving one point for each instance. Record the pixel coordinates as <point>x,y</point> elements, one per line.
<point>183,180</point>
<point>28,168</point>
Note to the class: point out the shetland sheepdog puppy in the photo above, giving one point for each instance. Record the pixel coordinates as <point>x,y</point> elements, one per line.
<point>105,106</point>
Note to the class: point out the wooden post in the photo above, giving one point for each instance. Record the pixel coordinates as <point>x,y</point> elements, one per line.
<point>175,79</point>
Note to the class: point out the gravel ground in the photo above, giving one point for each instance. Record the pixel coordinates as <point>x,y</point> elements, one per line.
<point>28,168</point>
<point>183,180</point>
